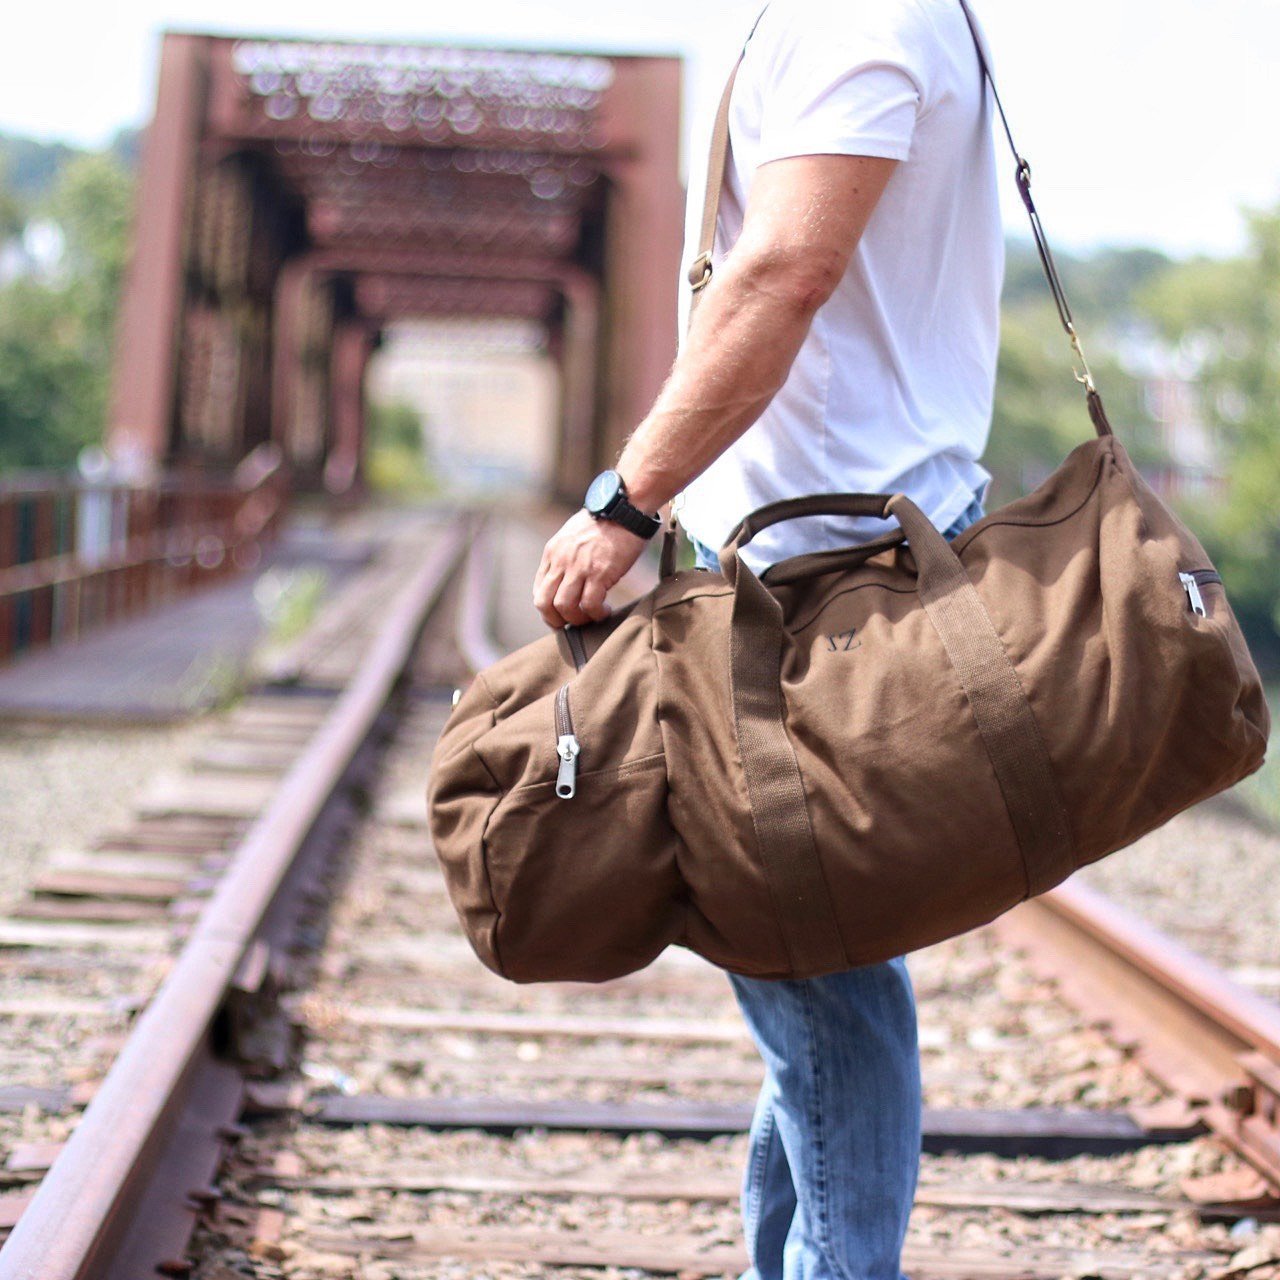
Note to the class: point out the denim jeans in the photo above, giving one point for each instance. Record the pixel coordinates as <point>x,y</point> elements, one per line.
<point>835,1140</point>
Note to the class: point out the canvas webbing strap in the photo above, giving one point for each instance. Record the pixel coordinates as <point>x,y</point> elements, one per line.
<point>701,269</point>
<point>779,808</point>
<point>999,704</point>
<point>995,695</point>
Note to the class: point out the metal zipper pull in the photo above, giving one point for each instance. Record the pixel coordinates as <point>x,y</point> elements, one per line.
<point>567,778</point>
<point>566,747</point>
<point>1192,588</point>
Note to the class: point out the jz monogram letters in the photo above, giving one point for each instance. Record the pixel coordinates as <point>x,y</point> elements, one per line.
<point>842,642</point>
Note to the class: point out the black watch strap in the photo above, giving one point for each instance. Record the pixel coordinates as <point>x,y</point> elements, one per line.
<point>633,519</point>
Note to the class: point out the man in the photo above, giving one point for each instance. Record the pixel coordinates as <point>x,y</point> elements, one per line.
<point>847,341</point>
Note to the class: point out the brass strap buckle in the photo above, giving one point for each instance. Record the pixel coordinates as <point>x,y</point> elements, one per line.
<point>700,272</point>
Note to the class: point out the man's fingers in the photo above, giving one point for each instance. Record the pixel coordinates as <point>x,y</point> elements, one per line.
<point>552,618</point>
<point>592,602</point>
<point>567,601</point>
<point>544,591</point>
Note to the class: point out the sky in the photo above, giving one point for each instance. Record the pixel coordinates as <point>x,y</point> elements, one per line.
<point>1145,121</point>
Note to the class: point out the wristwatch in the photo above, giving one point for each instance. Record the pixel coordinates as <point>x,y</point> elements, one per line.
<point>607,500</point>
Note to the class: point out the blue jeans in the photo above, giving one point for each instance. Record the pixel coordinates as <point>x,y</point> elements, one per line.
<point>835,1139</point>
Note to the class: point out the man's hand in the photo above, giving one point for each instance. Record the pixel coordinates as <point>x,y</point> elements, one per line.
<point>579,565</point>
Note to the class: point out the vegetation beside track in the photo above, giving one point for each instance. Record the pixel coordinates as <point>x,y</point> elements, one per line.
<point>1262,791</point>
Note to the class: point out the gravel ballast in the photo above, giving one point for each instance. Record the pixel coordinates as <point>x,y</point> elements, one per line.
<point>61,786</point>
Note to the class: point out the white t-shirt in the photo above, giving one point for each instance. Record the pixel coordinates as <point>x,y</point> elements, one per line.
<point>892,389</point>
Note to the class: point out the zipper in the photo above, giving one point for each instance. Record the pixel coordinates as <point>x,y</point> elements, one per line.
<point>576,646</point>
<point>567,748</point>
<point>1191,584</point>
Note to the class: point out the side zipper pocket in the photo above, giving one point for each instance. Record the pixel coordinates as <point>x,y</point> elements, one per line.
<point>1192,581</point>
<point>567,748</point>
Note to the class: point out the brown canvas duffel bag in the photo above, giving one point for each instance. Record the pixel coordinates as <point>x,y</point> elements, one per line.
<point>851,763</point>
<point>865,752</point>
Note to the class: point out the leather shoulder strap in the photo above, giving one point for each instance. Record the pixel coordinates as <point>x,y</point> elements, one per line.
<point>699,274</point>
<point>700,270</point>
<point>717,173</point>
<point>1084,376</point>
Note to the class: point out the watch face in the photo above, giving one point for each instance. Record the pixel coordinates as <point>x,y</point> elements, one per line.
<point>602,491</point>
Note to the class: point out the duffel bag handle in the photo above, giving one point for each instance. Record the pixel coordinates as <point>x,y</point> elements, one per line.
<point>779,809</point>
<point>816,504</point>
<point>875,505</point>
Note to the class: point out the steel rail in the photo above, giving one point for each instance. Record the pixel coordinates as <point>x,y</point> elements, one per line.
<point>82,1208</point>
<point>1213,1043</point>
<point>476,641</point>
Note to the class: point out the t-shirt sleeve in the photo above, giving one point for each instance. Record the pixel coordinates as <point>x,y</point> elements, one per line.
<point>846,79</point>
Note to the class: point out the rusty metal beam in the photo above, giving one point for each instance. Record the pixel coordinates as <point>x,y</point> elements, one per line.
<point>475,636</point>
<point>353,344</point>
<point>483,99</point>
<point>379,260</point>
<point>404,159</point>
<point>496,230</point>
<point>526,171</point>
<point>286,355</point>
<point>578,453</point>
<point>151,317</point>
<point>452,178</point>
<point>386,298</point>
<point>644,227</point>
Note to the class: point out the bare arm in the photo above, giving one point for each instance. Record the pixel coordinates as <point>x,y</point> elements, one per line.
<point>802,224</point>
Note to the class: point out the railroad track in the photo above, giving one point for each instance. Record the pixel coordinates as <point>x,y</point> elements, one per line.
<point>325,1082</point>
<point>260,813</point>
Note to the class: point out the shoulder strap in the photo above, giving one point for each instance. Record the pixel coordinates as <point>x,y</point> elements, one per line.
<point>1023,177</point>
<point>717,172</point>
<point>700,269</point>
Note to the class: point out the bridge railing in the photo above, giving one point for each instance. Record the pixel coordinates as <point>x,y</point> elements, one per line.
<point>75,553</point>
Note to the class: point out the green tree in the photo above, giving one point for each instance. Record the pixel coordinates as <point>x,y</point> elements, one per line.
<point>33,167</point>
<point>1040,413</point>
<point>12,215</point>
<point>1100,286</point>
<point>56,335</point>
<point>1229,311</point>
<point>398,458</point>
<point>44,382</point>
<point>93,205</point>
